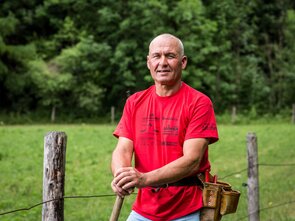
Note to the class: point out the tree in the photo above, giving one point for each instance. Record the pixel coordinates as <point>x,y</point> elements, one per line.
<point>84,62</point>
<point>15,94</point>
<point>240,52</point>
<point>51,85</point>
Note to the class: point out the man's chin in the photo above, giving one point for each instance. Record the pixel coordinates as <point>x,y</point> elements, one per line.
<point>166,82</point>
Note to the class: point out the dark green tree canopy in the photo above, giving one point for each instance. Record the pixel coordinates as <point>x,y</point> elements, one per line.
<point>82,57</point>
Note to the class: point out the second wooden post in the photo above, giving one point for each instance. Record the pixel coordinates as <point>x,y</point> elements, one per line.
<point>253,184</point>
<point>54,176</point>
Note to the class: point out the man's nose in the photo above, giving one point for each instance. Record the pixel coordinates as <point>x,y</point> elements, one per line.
<point>163,60</point>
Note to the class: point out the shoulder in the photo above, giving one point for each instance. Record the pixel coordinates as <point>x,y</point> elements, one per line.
<point>196,96</point>
<point>140,96</point>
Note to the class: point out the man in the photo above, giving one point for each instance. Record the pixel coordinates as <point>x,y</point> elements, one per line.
<point>167,128</point>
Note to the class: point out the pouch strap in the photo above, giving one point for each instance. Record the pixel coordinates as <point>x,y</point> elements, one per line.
<point>187,181</point>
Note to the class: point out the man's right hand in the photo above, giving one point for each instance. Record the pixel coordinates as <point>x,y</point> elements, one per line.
<point>126,179</point>
<point>120,191</point>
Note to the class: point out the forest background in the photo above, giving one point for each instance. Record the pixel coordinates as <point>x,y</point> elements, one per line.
<point>71,60</point>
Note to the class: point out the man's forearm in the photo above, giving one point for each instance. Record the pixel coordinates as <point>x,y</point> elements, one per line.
<point>119,160</point>
<point>184,166</point>
<point>193,151</point>
<point>171,172</point>
<point>122,155</point>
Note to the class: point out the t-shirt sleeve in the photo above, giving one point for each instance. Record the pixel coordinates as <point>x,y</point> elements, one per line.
<point>202,121</point>
<point>124,127</point>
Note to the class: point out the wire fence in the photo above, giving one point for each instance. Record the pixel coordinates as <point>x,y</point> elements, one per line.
<point>48,201</point>
<point>113,195</point>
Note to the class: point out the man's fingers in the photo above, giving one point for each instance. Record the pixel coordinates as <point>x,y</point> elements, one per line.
<point>131,190</point>
<point>121,181</point>
<point>127,178</point>
<point>119,190</point>
<point>122,170</point>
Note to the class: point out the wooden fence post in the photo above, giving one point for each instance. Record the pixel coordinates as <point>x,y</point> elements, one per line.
<point>253,186</point>
<point>54,176</point>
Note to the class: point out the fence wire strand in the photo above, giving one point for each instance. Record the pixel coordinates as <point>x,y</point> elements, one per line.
<point>48,201</point>
<point>266,208</point>
<point>260,164</point>
<point>112,195</point>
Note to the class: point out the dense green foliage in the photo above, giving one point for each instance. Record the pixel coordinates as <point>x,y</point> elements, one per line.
<point>88,170</point>
<point>79,58</point>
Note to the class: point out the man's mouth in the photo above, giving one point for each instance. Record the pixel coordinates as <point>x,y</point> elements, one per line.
<point>163,71</point>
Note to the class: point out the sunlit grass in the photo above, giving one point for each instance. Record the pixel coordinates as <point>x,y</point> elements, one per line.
<point>88,157</point>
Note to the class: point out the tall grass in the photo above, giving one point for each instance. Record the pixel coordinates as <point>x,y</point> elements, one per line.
<point>88,157</point>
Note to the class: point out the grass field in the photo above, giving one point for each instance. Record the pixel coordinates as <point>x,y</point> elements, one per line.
<point>89,149</point>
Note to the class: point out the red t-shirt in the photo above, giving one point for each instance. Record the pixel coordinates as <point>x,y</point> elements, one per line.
<point>158,127</point>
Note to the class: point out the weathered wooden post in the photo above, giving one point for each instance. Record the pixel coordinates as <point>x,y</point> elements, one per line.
<point>253,186</point>
<point>54,176</point>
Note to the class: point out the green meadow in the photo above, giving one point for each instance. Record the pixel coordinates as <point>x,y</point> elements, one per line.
<point>88,156</point>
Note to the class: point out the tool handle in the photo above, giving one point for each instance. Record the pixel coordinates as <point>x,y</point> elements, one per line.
<point>117,208</point>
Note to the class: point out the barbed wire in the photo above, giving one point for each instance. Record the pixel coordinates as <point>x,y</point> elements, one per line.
<point>112,195</point>
<point>48,201</point>
<point>260,164</point>
<point>276,164</point>
<point>232,174</point>
<point>266,208</point>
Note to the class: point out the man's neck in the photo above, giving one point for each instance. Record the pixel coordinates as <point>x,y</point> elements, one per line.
<point>164,90</point>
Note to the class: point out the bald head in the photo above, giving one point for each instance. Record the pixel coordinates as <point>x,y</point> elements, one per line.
<point>166,60</point>
<point>168,37</point>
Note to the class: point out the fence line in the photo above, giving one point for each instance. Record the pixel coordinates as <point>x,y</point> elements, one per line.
<point>259,164</point>
<point>113,195</point>
<point>48,201</point>
<point>54,173</point>
<point>276,165</point>
<point>232,174</point>
<point>266,208</point>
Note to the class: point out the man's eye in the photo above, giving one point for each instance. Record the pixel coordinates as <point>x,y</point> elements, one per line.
<point>170,56</point>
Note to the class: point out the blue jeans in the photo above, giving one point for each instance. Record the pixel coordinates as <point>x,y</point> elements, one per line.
<point>134,216</point>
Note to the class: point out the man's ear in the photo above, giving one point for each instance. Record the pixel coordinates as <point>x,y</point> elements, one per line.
<point>147,62</point>
<point>184,62</point>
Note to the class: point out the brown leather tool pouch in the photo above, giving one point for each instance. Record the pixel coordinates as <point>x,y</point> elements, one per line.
<point>229,201</point>
<point>211,202</point>
<point>218,200</point>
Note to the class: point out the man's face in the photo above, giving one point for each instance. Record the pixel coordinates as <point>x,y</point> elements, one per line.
<point>165,61</point>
